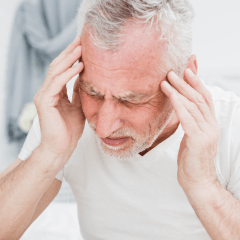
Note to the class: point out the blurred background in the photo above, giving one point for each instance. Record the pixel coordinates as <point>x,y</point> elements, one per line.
<point>34,32</point>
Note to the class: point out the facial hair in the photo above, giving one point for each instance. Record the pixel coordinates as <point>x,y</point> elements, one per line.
<point>141,142</point>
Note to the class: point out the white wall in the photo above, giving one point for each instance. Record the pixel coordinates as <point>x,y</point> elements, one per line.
<point>216,38</point>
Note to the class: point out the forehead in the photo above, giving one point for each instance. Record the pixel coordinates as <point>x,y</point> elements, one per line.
<point>132,68</point>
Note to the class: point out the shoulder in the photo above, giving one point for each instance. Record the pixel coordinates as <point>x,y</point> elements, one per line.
<point>226,104</point>
<point>227,110</point>
<point>222,95</point>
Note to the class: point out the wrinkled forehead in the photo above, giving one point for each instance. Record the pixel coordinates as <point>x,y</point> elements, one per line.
<point>135,64</point>
<point>140,48</point>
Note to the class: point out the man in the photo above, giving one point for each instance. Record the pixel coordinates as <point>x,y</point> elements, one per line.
<point>158,155</point>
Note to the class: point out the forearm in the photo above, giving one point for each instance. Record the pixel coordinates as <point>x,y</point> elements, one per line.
<point>21,190</point>
<point>218,211</point>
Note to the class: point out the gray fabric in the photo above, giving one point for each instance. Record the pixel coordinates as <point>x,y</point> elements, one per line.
<point>42,29</point>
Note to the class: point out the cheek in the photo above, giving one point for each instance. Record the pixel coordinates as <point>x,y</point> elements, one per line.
<point>89,105</point>
<point>140,117</point>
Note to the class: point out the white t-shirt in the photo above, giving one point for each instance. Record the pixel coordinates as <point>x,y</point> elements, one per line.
<point>141,199</point>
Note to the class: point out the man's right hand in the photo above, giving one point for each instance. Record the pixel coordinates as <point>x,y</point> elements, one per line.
<point>62,124</point>
<point>61,121</point>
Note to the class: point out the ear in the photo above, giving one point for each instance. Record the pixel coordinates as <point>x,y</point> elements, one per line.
<point>192,64</point>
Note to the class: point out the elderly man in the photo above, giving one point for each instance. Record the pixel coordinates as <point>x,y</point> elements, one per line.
<point>157,158</point>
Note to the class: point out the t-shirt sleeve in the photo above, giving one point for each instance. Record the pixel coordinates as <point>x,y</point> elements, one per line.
<point>32,141</point>
<point>234,182</point>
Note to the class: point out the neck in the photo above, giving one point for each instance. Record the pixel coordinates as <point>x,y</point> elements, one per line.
<point>167,132</point>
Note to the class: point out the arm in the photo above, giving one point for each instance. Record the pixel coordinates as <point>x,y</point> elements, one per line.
<point>62,123</point>
<point>218,210</point>
<point>21,191</point>
<point>46,199</point>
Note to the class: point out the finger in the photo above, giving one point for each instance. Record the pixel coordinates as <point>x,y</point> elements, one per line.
<point>76,101</point>
<point>65,64</point>
<point>192,95</point>
<point>188,123</point>
<point>57,84</point>
<point>67,51</point>
<point>188,109</point>
<point>197,84</point>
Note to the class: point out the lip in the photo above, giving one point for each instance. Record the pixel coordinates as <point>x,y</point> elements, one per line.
<point>115,141</point>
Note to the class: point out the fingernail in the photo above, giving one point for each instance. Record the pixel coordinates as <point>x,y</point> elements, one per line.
<point>166,85</point>
<point>189,72</point>
<point>77,49</point>
<point>173,75</point>
<point>75,40</point>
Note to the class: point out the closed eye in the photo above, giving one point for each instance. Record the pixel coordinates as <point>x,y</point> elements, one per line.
<point>92,94</point>
<point>125,102</point>
<point>95,95</point>
<point>131,104</point>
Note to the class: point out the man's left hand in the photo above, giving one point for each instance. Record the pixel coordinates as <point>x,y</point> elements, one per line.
<point>194,108</point>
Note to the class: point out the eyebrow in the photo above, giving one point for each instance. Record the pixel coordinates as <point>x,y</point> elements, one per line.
<point>129,95</point>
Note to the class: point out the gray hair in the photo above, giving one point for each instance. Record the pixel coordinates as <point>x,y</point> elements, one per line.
<point>173,17</point>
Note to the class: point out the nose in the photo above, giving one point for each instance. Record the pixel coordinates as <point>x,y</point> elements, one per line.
<point>108,119</point>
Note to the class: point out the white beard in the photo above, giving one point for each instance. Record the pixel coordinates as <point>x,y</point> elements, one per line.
<point>140,143</point>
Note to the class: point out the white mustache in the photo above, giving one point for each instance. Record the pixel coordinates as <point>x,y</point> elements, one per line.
<point>124,133</point>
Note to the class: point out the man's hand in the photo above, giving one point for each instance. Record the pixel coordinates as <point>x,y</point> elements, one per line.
<point>194,107</point>
<point>61,121</point>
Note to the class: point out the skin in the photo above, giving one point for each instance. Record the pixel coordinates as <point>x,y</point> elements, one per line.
<point>216,208</point>
<point>132,68</point>
<point>62,121</point>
